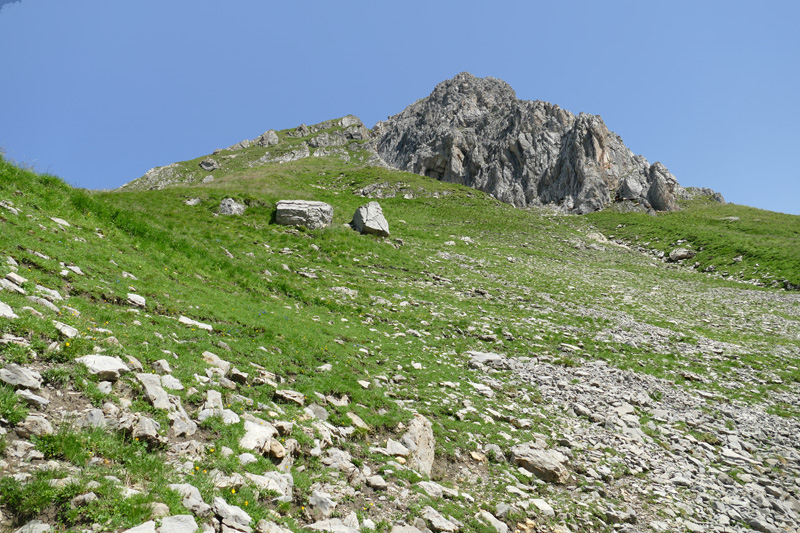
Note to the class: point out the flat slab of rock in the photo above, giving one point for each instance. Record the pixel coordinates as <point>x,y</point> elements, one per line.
<point>147,527</point>
<point>6,311</point>
<point>229,512</point>
<point>34,425</point>
<point>274,481</point>
<point>189,322</point>
<point>21,377</point>
<point>333,525</point>
<point>183,523</point>
<point>44,303</point>
<point>153,391</point>
<point>308,214</point>
<point>548,465</point>
<point>104,367</point>
<point>257,436</point>
<point>291,396</point>
<point>136,299</point>
<point>500,527</point>
<point>437,522</point>
<point>67,331</point>
<point>679,254</point>
<point>33,399</point>
<point>369,219</point>
<point>34,526</point>
<point>214,360</point>
<point>493,360</point>
<point>9,286</point>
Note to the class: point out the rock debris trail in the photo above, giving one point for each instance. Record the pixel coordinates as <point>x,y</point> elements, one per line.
<point>704,462</point>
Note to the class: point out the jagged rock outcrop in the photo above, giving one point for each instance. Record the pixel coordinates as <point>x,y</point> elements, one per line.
<point>474,131</point>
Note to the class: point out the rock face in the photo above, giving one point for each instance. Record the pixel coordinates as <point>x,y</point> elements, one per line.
<point>369,219</point>
<point>475,132</point>
<point>312,215</point>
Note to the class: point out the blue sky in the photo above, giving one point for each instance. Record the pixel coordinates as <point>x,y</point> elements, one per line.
<point>98,92</point>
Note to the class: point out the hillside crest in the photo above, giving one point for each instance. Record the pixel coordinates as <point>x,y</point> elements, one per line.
<point>471,131</point>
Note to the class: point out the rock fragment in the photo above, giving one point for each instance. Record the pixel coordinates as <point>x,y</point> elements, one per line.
<point>104,367</point>
<point>229,206</point>
<point>419,439</point>
<point>20,377</point>
<point>548,465</point>
<point>6,311</point>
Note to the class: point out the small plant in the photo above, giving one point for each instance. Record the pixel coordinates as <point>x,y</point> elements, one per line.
<point>58,377</point>
<point>11,407</point>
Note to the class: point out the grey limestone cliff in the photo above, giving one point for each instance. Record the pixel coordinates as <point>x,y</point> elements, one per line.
<point>474,131</point>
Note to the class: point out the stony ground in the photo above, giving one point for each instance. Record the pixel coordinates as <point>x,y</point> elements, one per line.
<point>543,382</point>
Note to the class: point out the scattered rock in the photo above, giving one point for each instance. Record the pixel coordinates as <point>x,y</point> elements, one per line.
<point>6,311</point>
<point>34,526</point>
<point>194,323</point>
<point>490,519</point>
<point>321,503</point>
<point>420,441</point>
<point>229,206</point>
<point>679,254</point>
<point>230,513</point>
<point>20,377</point>
<point>548,465</point>
<point>290,396</point>
<point>209,165</point>
<point>137,300</point>
<point>67,331</point>
<point>178,524</point>
<point>153,391</point>
<point>104,367</point>
<point>437,522</point>
<point>268,138</point>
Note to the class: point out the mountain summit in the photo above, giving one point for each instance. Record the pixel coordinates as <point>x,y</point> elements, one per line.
<point>471,131</point>
<point>474,131</point>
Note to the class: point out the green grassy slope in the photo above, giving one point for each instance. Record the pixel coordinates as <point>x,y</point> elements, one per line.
<point>738,241</point>
<point>460,272</point>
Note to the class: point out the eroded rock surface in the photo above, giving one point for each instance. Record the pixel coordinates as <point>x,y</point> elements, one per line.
<point>474,131</point>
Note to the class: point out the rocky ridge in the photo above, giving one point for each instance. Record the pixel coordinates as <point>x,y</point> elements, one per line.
<point>474,131</point>
<point>471,131</point>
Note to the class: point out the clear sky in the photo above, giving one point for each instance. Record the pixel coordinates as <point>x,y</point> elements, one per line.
<point>99,91</point>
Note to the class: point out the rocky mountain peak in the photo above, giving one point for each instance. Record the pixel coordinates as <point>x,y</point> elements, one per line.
<point>475,131</point>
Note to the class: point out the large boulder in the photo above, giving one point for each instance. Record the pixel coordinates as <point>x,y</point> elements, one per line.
<point>305,213</point>
<point>369,219</point>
